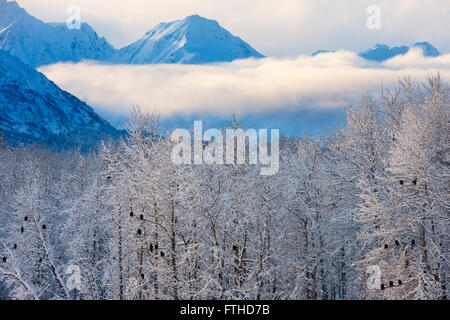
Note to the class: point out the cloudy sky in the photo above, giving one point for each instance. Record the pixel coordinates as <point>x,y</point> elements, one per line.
<point>280,28</point>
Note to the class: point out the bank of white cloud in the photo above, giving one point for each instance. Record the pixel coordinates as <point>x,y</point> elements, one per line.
<point>325,81</point>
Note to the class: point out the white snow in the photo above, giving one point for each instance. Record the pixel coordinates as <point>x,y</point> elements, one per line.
<point>34,106</point>
<point>38,43</point>
<point>193,40</point>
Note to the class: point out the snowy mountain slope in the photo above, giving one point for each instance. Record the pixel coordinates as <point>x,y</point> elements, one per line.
<point>38,43</point>
<point>193,40</point>
<point>382,52</point>
<point>322,51</point>
<point>427,49</point>
<point>32,107</point>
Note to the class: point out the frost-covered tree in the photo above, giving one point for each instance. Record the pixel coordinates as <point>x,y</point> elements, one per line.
<point>32,258</point>
<point>410,219</point>
<point>138,226</point>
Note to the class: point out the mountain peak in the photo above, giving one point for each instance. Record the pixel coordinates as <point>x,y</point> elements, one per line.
<point>428,49</point>
<point>196,20</point>
<point>192,40</point>
<point>195,17</point>
<point>381,52</point>
<point>11,10</point>
<point>322,51</point>
<point>38,43</point>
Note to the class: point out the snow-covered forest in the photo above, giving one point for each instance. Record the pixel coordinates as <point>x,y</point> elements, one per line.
<point>374,194</point>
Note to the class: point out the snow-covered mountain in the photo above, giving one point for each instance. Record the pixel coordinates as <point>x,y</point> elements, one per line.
<point>322,51</point>
<point>382,52</point>
<point>38,43</point>
<point>427,49</point>
<point>32,107</point>
<point>193,40</point>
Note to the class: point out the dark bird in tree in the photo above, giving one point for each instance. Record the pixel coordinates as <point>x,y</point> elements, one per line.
<point>25,219</point>
<point>382,286</point>
<point>142,276</point>
<point>401,182</point>
<point>4,259</point>
<point>139,232</point>
<point>131,214</point>
<point>414,181</point>
<point>44,227</point>
<point>15,246</point>
<point>397,243</point>
<point>151,247</point>
<point>386,246</point>
<point>400,282</point>
<point>162,254</point>
<point>391,283</point>
<point>234,248</point>
<point>142,217</point>
<point>156,246</point>
<point>22,229</point>
<point>413,242</point>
